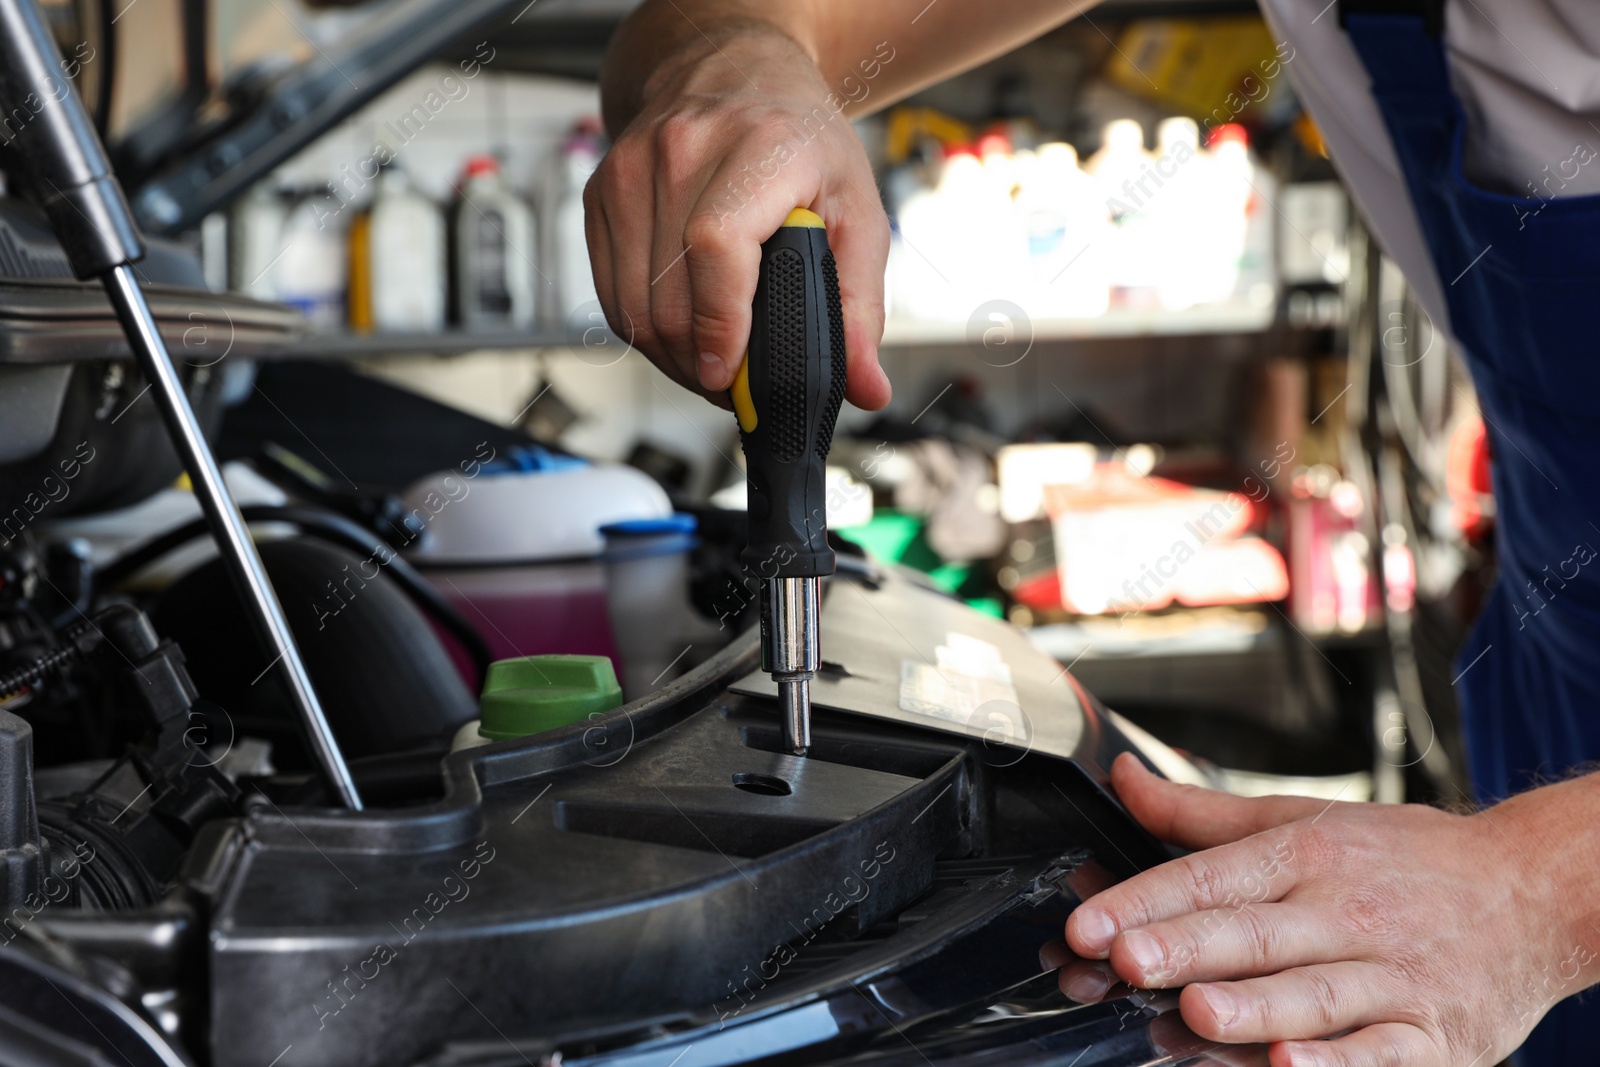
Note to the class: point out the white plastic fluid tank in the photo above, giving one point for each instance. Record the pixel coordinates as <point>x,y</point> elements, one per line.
<point>526,508</point>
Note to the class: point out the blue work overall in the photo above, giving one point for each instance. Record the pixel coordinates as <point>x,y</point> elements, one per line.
<point>1521,276</point>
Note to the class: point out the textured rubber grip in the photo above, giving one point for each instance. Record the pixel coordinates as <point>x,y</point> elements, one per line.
<point>796,369</point>
<point>830,415</point>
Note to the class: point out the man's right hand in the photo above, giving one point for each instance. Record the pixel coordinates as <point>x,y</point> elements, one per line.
<point>726,115</point>
<point>731,134</point>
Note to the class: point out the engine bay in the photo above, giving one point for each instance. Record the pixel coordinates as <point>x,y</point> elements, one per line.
<point>649,882</point>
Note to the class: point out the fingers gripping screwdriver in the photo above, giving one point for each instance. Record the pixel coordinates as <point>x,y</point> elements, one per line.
<point>787,396</point>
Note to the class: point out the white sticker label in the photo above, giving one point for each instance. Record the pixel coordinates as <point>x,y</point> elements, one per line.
<point>967,675</point>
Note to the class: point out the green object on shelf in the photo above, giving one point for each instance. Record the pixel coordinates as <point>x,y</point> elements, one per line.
<point>900,537</point>
<point>894,536</point>
<point>531,694</point>
<point>950,577</point>
<point>988,605</point>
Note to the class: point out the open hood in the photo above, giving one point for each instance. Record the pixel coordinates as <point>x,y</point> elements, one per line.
<point>204,147</point>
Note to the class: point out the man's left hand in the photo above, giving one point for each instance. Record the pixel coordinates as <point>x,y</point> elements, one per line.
<point>1408,934</point>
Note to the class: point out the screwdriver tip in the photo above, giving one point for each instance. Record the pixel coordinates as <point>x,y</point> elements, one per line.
<point>794,706</point>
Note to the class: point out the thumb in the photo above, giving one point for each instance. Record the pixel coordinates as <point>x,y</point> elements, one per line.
<point>1196,818</point>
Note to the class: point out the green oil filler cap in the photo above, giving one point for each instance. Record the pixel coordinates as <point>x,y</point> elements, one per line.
<point>531,694</point>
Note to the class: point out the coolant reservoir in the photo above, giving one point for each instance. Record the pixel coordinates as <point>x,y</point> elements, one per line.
<point>653,619</point>
<point>516,545</point>
<point>532,507</point>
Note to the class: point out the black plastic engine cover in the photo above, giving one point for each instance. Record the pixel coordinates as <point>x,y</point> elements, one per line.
<point>639,867</point>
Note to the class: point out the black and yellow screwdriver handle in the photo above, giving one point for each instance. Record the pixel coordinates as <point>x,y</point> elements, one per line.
<point>787,397</point>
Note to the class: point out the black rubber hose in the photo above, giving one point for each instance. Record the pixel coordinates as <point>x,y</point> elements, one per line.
<point>332,528</point>
<point>377,660</point>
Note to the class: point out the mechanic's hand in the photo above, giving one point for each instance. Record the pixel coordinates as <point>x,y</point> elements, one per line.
<point>728,141</point>
<point>1424,938</point>
<point>1094,982</point>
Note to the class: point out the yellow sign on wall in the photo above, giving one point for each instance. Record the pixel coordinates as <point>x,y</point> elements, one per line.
<point>1194,65</point>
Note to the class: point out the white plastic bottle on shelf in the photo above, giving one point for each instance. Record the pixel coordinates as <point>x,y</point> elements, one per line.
<point>1000,241</point>
<point>902,182</point>
<point>580,155</point>
<point>963,242</point>
<point>1000,165</point>
<point>310,272</point>
<point>494,252</point>
<point>1257,284</point>
<point>255,238</point>
<point>1185,260</point>
<point>929,288</point>
<point>909,194</point>
<point>1068,233</point>
<point>1129,184</point>
<point>407,240</point>
<point>1232,189</point>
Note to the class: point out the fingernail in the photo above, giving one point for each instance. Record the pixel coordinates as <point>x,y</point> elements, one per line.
<point>712,373</point>
<point>1221,1004</point>
<point>1088,987</point>
<point>1095,929</point>
<point>1147,953</point>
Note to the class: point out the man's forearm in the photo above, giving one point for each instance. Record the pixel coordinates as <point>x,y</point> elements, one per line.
<point>930,41</point>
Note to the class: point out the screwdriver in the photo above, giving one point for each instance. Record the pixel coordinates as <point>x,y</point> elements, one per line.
<point>786,397</point>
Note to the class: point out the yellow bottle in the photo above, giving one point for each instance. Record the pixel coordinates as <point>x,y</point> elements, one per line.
<point>359,296</point>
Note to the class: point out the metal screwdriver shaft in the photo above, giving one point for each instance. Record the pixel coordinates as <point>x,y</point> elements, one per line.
<point>792,606</point>
<point>66,168</point>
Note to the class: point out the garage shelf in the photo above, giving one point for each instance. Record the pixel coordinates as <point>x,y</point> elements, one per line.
<point>898,333</point>
<point>1118,322</point>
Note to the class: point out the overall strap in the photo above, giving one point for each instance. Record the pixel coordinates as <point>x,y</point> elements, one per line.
<point>1401,44</point>
<point>1431,12</point>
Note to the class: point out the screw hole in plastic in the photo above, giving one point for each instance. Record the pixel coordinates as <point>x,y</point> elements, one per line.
<point>765,785</point>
